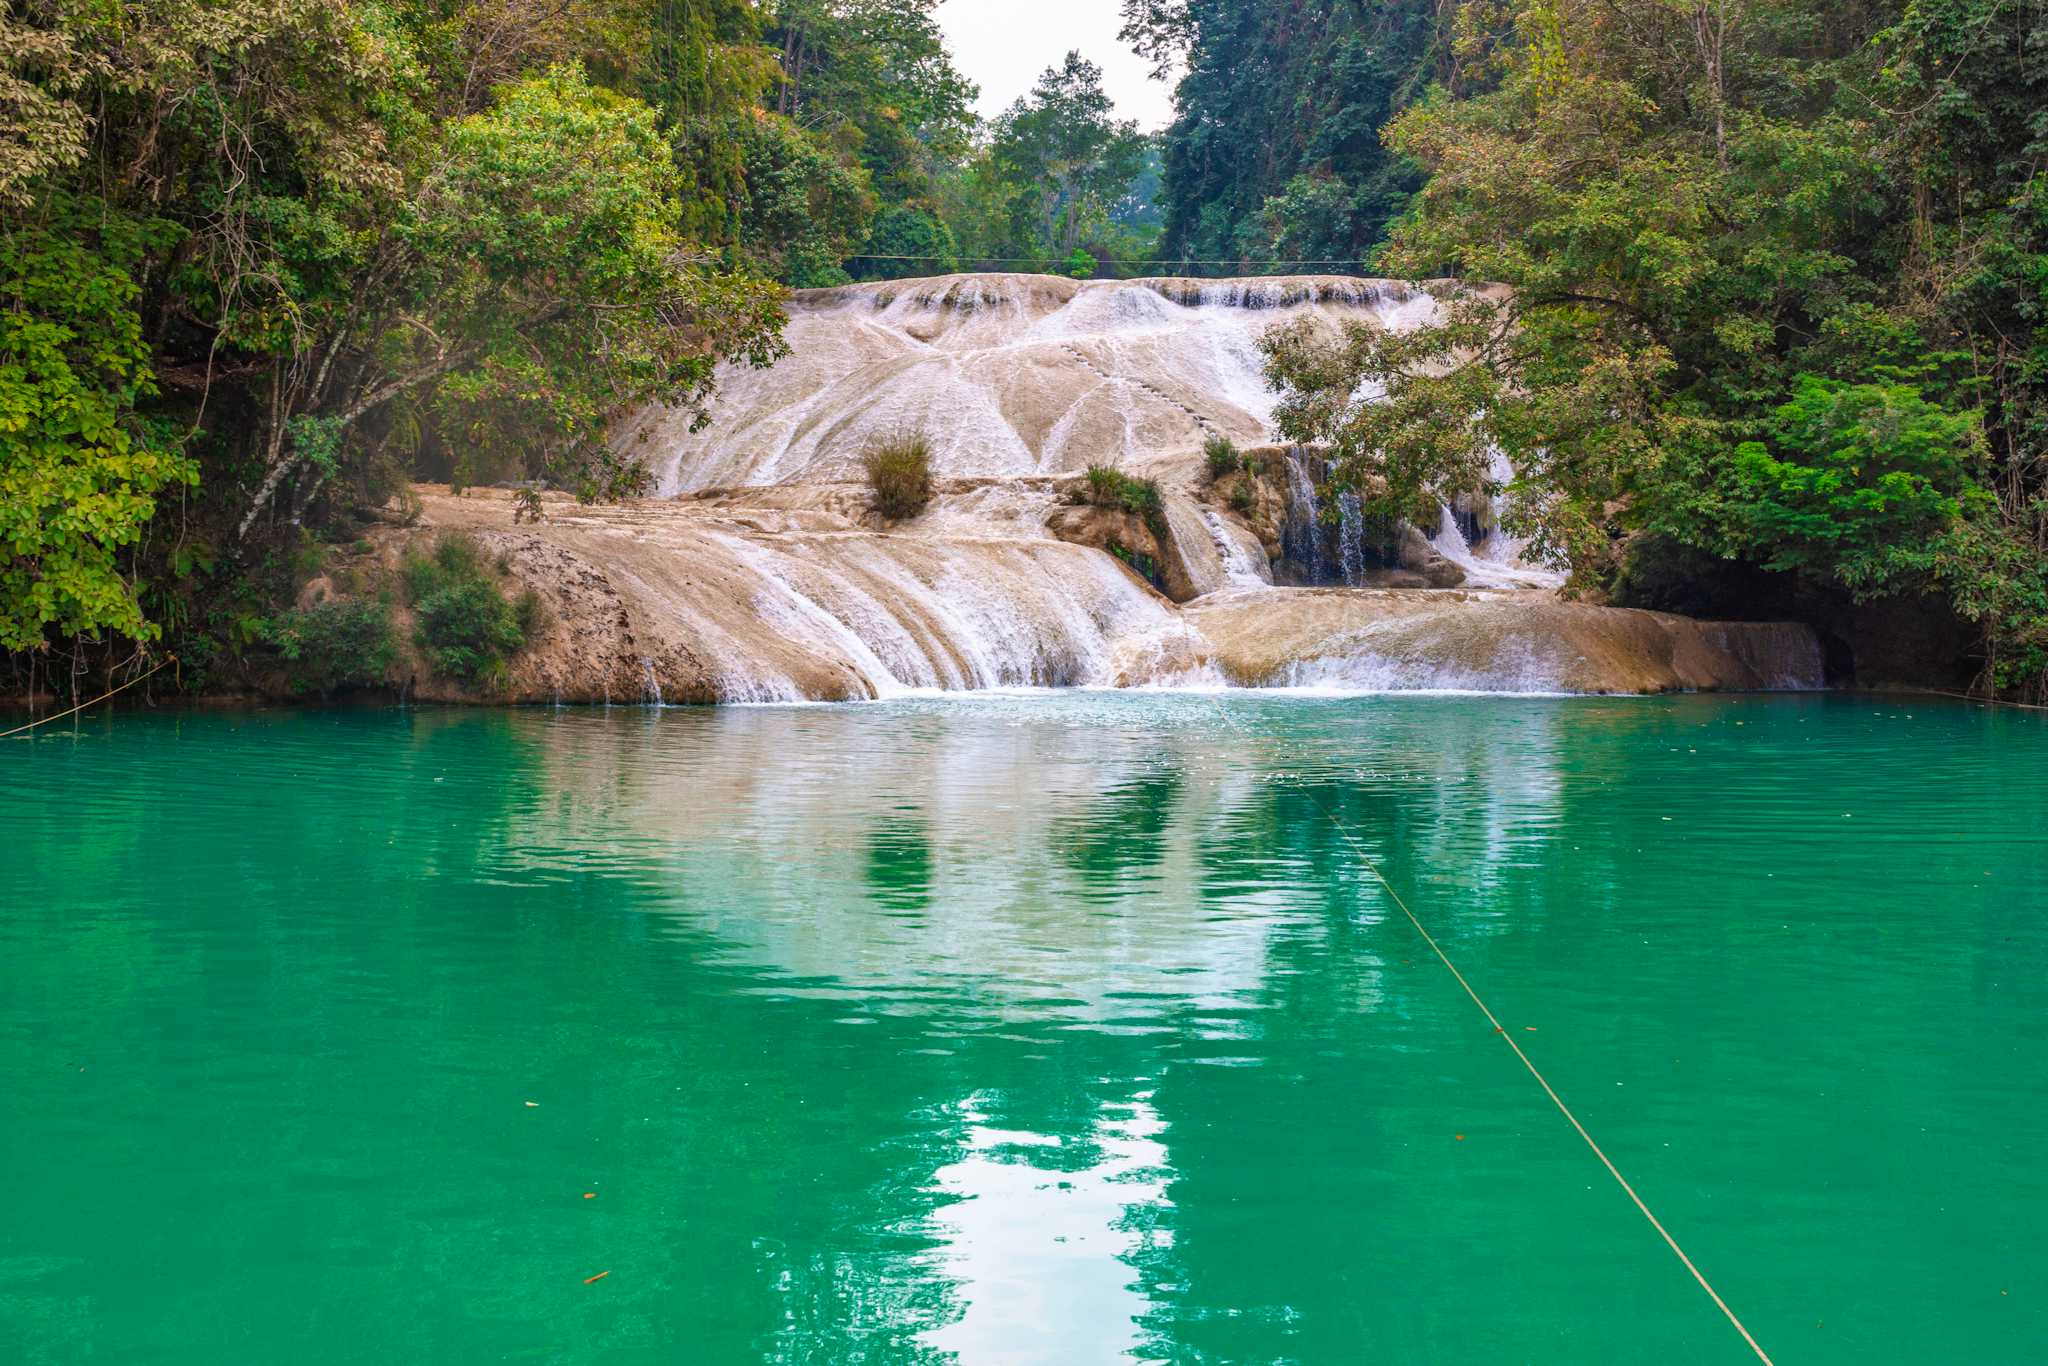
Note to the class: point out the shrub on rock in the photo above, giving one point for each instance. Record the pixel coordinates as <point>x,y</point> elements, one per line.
<point>900,474</point>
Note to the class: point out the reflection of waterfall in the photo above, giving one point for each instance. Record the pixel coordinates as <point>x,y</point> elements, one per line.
<point>863,855</point>
<point>1037,1249</point>
<point>1090,903</point>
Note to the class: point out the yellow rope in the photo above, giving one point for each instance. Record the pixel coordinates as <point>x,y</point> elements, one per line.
<point>1548,1089</point>
<point>1372,867</point>
<point>167,660</point>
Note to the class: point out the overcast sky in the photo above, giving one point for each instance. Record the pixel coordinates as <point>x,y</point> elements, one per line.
<point>1002,45</point>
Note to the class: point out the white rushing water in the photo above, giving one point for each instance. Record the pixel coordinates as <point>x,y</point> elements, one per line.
<point>1008,374</point>
<point>1244,563</point>
<point>784,588</point>
<point>1497,561</point>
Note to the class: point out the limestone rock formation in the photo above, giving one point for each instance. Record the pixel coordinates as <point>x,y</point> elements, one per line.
<point>712,600</point>
<point>764,574</point>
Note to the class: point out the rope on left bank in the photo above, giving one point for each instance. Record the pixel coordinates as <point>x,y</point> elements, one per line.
<point>163,663</point>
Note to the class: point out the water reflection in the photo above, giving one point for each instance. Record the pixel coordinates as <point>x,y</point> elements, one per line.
<point>825,1005</point>
<point>1040,1236</point>
<point>1031,861</point>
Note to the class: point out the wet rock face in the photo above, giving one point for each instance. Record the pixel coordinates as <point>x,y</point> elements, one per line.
<point>1419,557</point>
<point>1491,642</point>
<point>713,600</point>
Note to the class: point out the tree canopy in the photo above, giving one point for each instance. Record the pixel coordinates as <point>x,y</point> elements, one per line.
<point>1765,281</point>
<point>1760,280</point>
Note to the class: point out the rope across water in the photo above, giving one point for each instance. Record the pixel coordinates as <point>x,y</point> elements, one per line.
<point>1372,867</point>
<point>165,662</point>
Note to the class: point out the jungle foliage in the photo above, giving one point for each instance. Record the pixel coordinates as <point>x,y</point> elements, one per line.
<point>1771,284</point>
<point>262,262</point>
<point>1764,280</point>
<point>1274,161</point>
<point>466,626</point>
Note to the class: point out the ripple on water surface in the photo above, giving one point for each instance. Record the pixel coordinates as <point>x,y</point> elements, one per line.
<point>1050,1028</point>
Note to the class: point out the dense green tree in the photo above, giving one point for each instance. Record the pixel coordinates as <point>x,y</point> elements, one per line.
<point>269,241</point>
<point>876,74</point>
<point>905,241</point>
<point>1767,282</point>
<point>1275,150</point>
<point>801,207</point>
<point>1065,159</point>
<point>79,470</point>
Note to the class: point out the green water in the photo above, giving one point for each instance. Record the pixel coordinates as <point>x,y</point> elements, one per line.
<point>1054,1029</point>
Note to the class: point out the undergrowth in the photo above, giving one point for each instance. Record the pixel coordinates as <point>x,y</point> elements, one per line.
<point>467,627</point>
<point>336,645</point>
<point>1110,487</point>
<point>1222,458</point>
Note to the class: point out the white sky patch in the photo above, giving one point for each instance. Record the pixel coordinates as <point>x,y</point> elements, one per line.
<point>1002,46</point>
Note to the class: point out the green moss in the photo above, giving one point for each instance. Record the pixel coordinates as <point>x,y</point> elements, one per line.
<point>1147,568</point>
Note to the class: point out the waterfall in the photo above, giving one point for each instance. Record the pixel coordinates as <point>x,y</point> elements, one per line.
<point>795,615</point>
<point>1194,545</point>
<point>1011,375</point>
<point>1244,565</point>
<point>1301,535</point>
<point>1494,559</point>
<point>768,576</point>
<point>1350,538</point>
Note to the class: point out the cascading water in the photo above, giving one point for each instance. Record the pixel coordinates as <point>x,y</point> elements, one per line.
<point>1301,535</point>
<point>1492,558</point>
<point>784,586</point>
<point>1244,564</point>
<point>1008,374</point>
<point>1350,538</point>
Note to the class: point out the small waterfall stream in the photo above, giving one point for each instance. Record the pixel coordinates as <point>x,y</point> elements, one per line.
<point>1244,566</point>
<point>1301,535</point>
<point>1350,538</point>
<point>1492,559</point>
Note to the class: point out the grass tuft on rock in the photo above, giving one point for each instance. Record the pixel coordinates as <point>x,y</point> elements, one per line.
<point>1111,487</point>
<point>900,474</point>
<point>1222,458</point>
